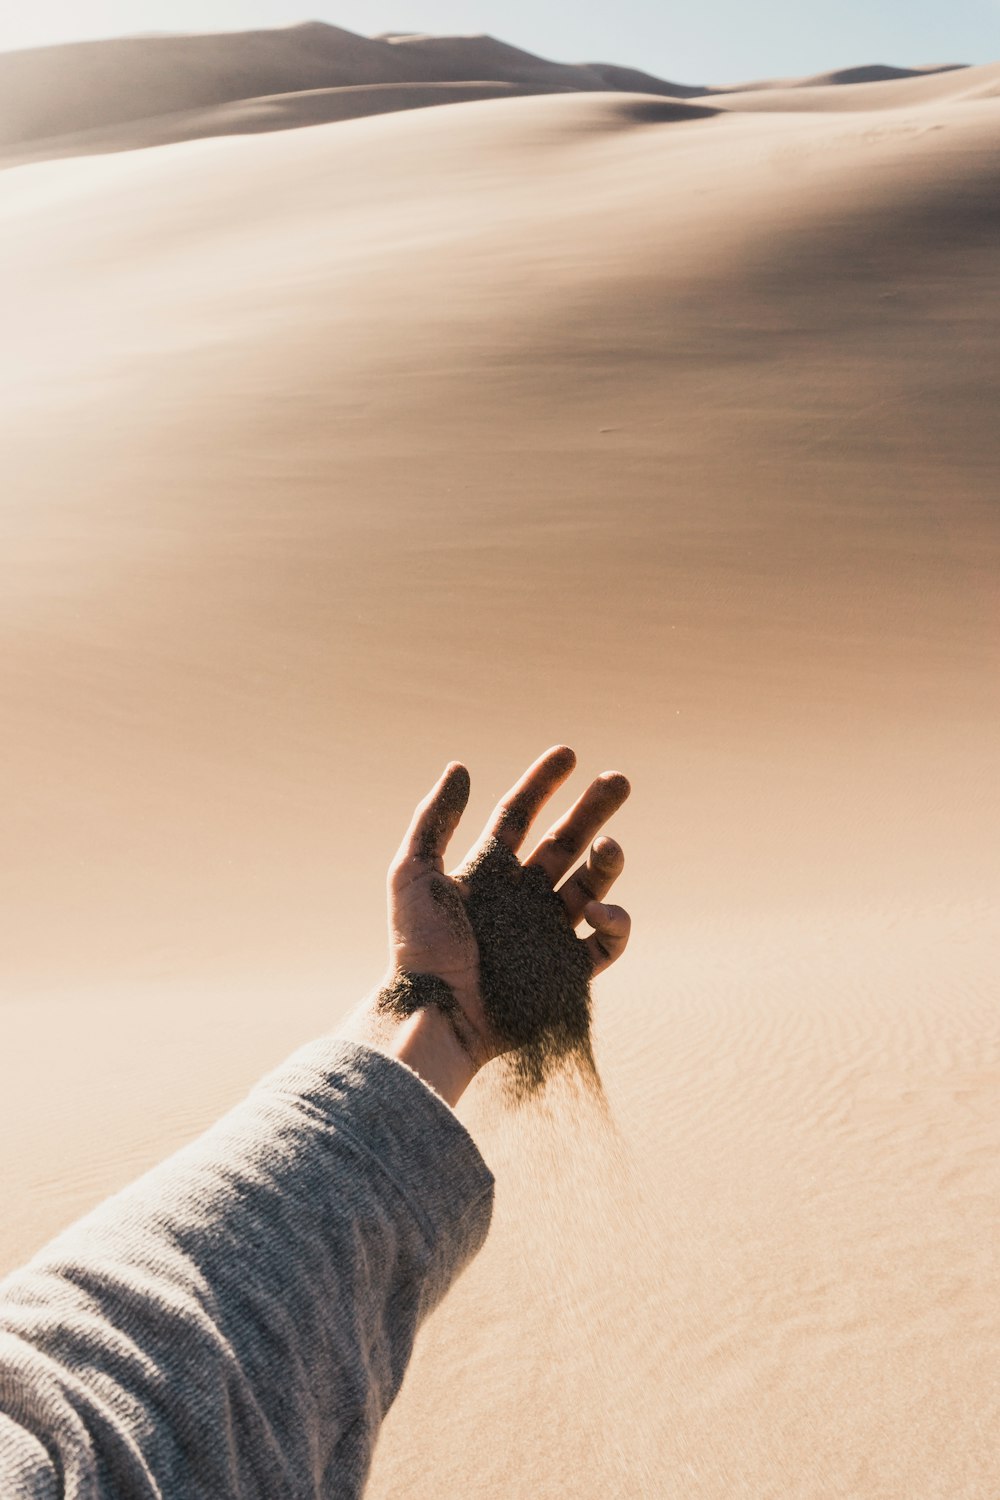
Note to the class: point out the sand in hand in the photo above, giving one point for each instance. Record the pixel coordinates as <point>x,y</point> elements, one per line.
<point>661,426</point>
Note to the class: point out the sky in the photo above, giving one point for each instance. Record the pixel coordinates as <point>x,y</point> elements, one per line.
<point>700,41</point>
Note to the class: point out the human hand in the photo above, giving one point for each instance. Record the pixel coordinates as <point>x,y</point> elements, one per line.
<point>491,947</point>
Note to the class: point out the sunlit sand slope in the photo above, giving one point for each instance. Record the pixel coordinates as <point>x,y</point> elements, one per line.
<point>258,116</point>
<point>334,453</point>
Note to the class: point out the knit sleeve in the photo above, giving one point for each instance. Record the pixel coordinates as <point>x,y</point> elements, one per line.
<point>238,1321</point>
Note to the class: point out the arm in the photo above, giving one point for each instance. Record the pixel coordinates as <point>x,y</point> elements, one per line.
<point>237,1322</point>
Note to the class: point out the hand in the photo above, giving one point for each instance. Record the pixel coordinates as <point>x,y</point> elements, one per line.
<point>435,957</point>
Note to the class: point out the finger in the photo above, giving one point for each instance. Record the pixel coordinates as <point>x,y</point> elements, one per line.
<point>436,819</point>
<point>607,942</point>
<point>566,840</point>
<point>514,814</point>
<point>592,881</point>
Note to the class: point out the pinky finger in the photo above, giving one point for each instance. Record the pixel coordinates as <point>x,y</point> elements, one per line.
<point>611,925</point>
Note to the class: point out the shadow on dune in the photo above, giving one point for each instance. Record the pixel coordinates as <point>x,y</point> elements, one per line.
<point>665,111</point>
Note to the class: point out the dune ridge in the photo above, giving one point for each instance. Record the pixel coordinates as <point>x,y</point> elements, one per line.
<point>61,90</point>
<point>132,92</point>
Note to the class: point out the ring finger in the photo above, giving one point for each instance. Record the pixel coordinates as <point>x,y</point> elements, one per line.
<point>593,880</point>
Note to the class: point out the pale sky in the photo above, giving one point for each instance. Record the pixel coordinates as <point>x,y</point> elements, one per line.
<point>700,41</point>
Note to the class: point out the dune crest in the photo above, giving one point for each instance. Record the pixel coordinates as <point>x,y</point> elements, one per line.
<point>53,92</point>
<point>139,91</point>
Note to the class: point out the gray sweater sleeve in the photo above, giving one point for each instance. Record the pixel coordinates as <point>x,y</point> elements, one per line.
<point>237,1322</point>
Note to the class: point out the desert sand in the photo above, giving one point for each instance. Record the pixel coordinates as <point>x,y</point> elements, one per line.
<point>662,423</point>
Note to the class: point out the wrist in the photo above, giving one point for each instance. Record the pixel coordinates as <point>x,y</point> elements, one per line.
<point>427,1042</point>
<point>418,1019</point>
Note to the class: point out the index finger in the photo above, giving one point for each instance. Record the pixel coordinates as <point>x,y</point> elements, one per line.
<point>437,817</point>
<point>514,814</point>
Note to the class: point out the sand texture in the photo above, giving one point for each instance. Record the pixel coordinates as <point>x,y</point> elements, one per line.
<point>665,427</point>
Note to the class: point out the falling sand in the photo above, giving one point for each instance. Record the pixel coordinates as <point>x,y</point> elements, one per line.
<point>534,970</point>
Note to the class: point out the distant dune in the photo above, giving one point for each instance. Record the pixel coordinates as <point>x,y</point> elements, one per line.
<point>463,57</point>
<point>58,90</point>
<point>836,94</point>
<point>875,73</point>
<point>664,426</point>
<point>54,92</point>
<point>132,92</point>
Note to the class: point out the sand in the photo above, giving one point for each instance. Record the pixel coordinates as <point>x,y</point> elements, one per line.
<point>536,991</point>
<point>150,90</point>
<point>568,418</point>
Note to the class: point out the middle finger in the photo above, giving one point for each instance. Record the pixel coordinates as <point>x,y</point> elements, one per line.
<point>514,814</point>
<point>566,840</point>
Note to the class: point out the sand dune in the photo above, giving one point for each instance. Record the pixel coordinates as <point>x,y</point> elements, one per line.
<point>870,73</point>
<point>460,57</point>
<point>133,92</point>
<point>57,91</point>
<point>935,86</point>
<point>875,73</point>
<point>333,453</point>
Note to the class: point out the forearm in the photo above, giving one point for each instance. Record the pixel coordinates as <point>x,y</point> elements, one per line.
<point>237,1322</point>
<point>427,1044</point>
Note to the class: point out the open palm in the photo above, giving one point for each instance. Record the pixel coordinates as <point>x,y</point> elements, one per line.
<point>430,931</point>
